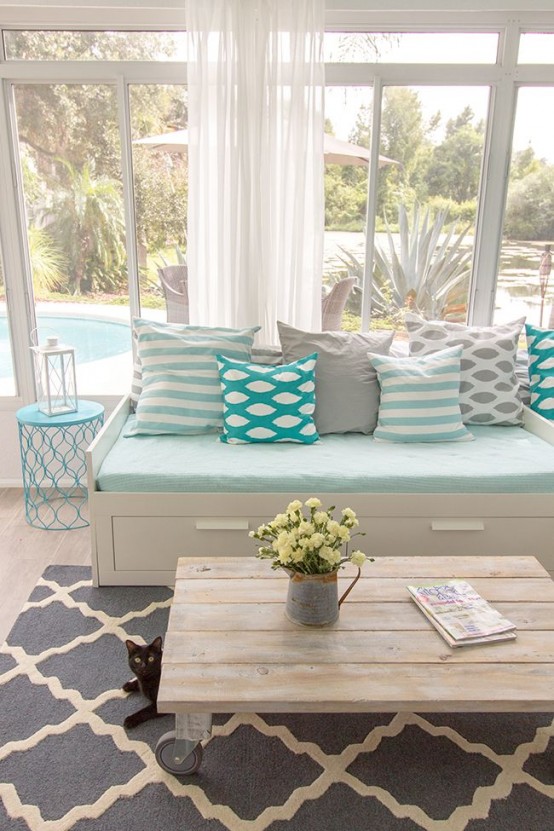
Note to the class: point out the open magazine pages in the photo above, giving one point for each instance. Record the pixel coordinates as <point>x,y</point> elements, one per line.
<point>460,613</point>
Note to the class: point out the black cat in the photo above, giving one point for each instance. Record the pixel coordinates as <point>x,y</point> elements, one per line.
<point>146,663</point>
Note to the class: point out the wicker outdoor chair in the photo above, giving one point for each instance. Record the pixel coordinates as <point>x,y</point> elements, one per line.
<point>332,305</point>
<point>174,284</point>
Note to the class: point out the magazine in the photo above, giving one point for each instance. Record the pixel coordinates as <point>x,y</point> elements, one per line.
<point>460,614</point>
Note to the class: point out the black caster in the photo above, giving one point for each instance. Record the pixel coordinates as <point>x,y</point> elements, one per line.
<point>165,756</point>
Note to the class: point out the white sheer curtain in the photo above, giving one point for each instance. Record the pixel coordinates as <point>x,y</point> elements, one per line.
<point>256,202</point>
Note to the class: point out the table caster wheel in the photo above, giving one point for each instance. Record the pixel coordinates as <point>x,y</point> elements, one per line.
<point>165,757</point>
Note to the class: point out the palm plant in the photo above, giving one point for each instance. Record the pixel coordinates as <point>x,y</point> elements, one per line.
<point>88,223</point>
<point>425,263</point>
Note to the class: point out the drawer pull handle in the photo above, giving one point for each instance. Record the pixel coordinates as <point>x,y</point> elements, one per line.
<point>457,525</point>
<point>223,524</point>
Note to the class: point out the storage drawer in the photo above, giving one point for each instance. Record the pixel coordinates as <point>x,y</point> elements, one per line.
<point>401,536</point>
<point>155,543</point>
<point>146,543</point>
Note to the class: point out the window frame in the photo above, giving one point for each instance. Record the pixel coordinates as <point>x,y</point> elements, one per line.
<point>17,268</point>
<point>504,77</point>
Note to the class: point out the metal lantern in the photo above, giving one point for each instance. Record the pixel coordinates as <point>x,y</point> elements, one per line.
<point>55,377</point>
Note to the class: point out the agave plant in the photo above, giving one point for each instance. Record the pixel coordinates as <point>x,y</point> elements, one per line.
<point>179,254</point>
<point>424,263</point>
<point>354,268</point>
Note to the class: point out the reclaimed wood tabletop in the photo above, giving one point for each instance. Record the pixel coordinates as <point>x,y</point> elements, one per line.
<point>230,648</point>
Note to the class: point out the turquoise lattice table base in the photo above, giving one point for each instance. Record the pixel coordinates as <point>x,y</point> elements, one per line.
<point>54,464</point>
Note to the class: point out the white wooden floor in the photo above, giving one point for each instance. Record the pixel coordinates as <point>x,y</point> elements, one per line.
<point>25,552</point>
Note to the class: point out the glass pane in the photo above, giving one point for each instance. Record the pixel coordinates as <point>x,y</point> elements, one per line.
<point>7,376</point>
<point>411,47</point>
<point>427,201</point>
<point>535,47</point>
<point>160,166</point>
<point>524,287</point>
<point>95,46</point>
<point>347,122</point>
<point>71,169</point>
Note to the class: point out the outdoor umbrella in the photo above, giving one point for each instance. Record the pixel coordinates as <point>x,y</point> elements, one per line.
<point>335,151</point>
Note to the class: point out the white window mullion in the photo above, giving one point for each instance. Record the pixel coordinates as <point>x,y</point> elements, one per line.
<point>128,196</point>
<point>372,183</point>
<point>15,252</point>
<point>496,167</point>
<point>93,72</point>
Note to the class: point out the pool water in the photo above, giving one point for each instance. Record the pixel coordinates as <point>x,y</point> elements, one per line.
<point>91,338</point>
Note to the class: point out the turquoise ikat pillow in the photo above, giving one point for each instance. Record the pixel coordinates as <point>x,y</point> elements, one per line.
<point>268,403</point>
<point>540,347</point>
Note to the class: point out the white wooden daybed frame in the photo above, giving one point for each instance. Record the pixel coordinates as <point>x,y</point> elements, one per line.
<point>138,537</point>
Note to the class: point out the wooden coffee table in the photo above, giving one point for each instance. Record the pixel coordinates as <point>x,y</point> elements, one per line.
<point>230,648</point>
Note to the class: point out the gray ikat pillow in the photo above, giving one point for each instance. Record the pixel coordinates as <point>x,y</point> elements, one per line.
<point>489,385</point>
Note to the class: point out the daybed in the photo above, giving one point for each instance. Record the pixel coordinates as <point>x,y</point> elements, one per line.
<point>153,499</point>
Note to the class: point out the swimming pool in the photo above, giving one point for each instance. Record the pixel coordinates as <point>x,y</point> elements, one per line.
<point>93,339</point>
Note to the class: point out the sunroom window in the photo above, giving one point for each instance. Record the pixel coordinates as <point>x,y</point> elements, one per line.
<point>94,46</point>
<point>160,167</point>
<point>525,287</point>
<point>7,378</point>
<point>70,158</point>
<point>85,128</point>
<point>536,47</point>
<point>411,47</point>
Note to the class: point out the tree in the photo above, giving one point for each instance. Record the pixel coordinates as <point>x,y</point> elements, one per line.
<point>455,165</point>
<point>404,137</point>
<point>524,162</point>
<point>363,46</point>
<point>161,196</point>
<point>530,206</point>
<point>79,121</point>
<point>345,191</point>
<point>79,124</point>
<point>75,122</point>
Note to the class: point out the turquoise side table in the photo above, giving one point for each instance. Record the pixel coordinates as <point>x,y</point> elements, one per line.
<point>54,464</point>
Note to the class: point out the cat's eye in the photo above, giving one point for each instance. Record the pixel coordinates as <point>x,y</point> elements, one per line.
<point>150,659</point>
<point>137,660</point>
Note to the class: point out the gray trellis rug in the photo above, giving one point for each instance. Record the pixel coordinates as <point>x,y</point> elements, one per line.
<point>67,763</point>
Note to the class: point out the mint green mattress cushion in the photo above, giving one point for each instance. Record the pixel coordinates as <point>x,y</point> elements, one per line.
<point>500,460</point>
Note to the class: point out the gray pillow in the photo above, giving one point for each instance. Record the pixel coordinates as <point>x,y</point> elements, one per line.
<point>346,385</point>
<point>489,389</point>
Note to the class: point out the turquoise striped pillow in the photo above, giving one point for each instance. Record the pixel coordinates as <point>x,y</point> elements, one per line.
<point>420,398</point>
<point>540,348</point>
<point>180,380</point>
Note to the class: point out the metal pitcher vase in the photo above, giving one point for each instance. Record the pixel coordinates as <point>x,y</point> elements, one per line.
<point>312,599</point>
